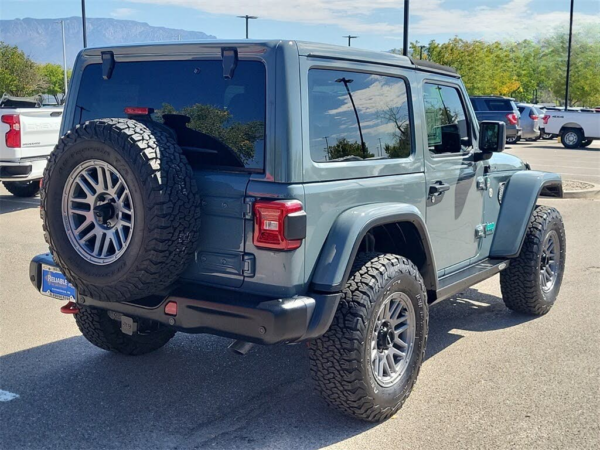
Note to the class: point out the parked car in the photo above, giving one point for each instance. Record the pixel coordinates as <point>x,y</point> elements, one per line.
<point>530,121</point>
<point>279,192</point>
<point>576,129</point>
<point>499,108</point>
<point>30,133</point>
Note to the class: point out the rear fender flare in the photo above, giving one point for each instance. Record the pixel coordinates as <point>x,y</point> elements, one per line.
<point>341,246</point>
<point>518,201</point>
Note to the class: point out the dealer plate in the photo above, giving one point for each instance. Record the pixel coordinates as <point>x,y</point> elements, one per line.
<point>55,285</point>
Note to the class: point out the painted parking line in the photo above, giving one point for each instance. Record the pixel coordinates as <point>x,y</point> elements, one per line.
<point>6,396</point>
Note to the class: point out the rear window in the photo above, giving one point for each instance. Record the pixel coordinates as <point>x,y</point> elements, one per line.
<point>218,122</point>
<point>498,105</point>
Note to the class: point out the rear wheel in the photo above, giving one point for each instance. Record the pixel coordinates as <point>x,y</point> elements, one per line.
<point>368,361</point>
<point>532,281</point>
<point>547,136</point>
<point>571,138</point>
<point>104,331</point>
<point>23,188</point>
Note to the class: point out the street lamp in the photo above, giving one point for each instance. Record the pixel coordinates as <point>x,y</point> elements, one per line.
<point>350,37</point>
<point>83,23</point>
<point>569,58</point>
<point>247,17</point>
<point>62,25</point>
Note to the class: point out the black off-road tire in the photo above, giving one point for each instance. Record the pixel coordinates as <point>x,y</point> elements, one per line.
<point>520,283</point>
<point>104,332</point>
<point>578,137</point>
<point>340,360</point>
<point>165,201</point>
<point>23,188</point>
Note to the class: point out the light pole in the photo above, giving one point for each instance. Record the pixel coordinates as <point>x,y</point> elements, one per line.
<point>405,42</point>
<point>62,26</point>
<point>421,47</point>
<point>346,82</point>
<point>569,57</point>
<point>83,23</point>
<point>350,37</point>
<point>247,17</point>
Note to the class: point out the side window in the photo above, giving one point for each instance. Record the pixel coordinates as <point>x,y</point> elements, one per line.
<point>447,125</point>
<point>357,116</point>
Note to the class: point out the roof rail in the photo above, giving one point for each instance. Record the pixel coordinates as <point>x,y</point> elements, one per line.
<point>433,67</point>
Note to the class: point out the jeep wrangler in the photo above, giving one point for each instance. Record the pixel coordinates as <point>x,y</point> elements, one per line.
<point>279,192</point>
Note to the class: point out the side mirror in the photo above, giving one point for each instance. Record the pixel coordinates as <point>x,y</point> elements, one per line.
<point>492,136</point>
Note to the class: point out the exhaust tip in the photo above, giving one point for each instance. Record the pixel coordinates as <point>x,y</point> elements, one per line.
<point>241,347</point>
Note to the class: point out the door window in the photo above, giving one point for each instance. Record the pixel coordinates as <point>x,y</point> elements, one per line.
<point>447,124</point>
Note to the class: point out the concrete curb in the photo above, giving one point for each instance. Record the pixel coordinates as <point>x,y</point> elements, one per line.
<point>584,193</point>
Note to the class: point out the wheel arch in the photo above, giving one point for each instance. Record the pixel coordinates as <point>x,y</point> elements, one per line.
<point>385,227</point>
<point>518,201</point>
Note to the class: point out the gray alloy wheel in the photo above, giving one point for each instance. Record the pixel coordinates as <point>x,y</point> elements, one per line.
<point>550,261</point>
<point>97,211</point>
<point>393,339</point>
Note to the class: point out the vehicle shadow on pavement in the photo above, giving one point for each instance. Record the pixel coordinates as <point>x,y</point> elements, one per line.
<point>10,203</point>
<point>193,393</point>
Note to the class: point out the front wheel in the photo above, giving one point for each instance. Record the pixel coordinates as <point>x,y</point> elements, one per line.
<point>586,143</point>
<point>23,188</point>
<point>368,361</point>
<point>104,331</point>
<point>531,283</point>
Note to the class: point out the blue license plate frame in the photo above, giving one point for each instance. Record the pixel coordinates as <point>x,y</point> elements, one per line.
<point>55,285</point>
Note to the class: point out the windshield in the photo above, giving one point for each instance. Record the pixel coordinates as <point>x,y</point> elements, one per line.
<point>218,122</point>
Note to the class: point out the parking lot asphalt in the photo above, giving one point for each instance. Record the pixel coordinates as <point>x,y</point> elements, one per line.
<point>492,378</point>
<point>573,164</point>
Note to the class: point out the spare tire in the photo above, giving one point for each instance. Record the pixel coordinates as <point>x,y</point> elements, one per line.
<point>120,208</point>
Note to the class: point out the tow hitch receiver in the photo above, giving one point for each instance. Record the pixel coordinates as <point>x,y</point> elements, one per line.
<point>69,308</point>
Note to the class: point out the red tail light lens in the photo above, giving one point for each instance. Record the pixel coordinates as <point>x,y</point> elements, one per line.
<point>546,118</point>
<point>533,117</point>
<point>138,110</point>
<point>13,135</point>
<point>270,220</point>
<point>512,118</point>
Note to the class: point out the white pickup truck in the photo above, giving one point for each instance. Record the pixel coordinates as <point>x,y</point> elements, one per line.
<point>575,129</point>
<point>30,133</point>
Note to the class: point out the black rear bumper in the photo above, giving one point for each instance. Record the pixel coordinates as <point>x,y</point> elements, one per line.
<point>237,315</point>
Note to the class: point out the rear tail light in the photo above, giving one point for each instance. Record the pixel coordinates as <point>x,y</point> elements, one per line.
<point>279,225</point>
<point>13,135</point>
<point>512,118</point>
<point>533,117</point>
<point>546,118</point>
<point>138,110</point>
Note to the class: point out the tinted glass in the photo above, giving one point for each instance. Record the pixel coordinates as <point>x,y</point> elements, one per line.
<point>218,122</point>
<point>342,104</point>
<point>521,109</point>
<point>499,105</point>
<point>447,126</point>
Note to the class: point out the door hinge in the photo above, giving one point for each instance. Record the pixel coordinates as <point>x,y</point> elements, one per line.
<point>248,265</point>
<point>247,212</point>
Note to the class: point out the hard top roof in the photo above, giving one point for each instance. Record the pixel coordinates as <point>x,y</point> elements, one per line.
<point>311,49</point>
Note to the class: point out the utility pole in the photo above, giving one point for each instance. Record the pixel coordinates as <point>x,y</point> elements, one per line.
<point>247,17</point>
<point>83,23</point>
<point>405,42</point>
<point>421,47</point>
<point>62,25</point>
<point>569,57</point>
<point>350,37</point>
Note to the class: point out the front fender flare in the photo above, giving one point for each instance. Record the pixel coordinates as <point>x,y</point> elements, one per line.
<point>519,199</point>
<point>341,246</point>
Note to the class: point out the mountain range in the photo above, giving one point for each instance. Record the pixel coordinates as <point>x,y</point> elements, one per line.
<point>41,39</point>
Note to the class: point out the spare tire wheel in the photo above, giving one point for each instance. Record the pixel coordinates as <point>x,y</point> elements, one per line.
<point>120,209</point>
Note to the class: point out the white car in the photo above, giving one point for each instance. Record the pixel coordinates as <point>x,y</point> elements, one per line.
<point>576,129</point>
<point>30,133</point>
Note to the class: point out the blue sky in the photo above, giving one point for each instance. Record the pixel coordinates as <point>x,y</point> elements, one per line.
<point>377,22</point>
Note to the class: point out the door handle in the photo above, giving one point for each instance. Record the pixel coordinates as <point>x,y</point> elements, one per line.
<point>438,188</point>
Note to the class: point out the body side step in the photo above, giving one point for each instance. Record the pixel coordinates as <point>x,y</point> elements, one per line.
<point>467,277</point>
